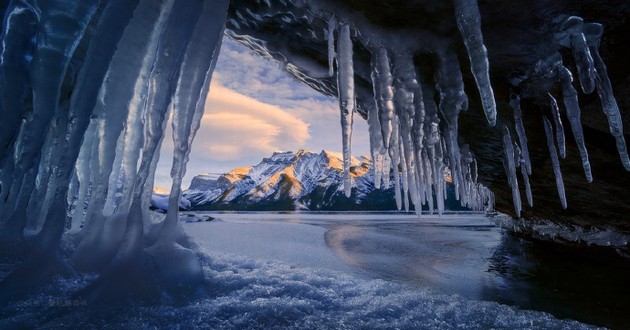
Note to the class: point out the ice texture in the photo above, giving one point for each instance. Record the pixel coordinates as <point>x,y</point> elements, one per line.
<point>555,162</point>
<point>345,83</point>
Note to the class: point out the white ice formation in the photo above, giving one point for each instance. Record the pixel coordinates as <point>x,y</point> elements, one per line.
<point>87,87</point>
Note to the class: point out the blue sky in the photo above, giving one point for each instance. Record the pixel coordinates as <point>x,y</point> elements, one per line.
<point>254,108</point>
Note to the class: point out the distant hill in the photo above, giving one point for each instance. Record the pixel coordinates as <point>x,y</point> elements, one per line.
<point>289,181</point>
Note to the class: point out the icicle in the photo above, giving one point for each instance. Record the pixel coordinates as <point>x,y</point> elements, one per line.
<point>428,187</point>
<point>112,190</point>
<point>394,152</point>
<point>404,170</point>
<point>112,24</point>
<point>345,83</point>
<point>18,36</point>
<point>528,190</point>
<point>555,110</point>
<point>189,100</point>
<point>555,163</point>
<point>407,95</point>
<point>49,65</point>
<point>453,100</point>
<point>510,170</point>
<point>515,104</point>
<point>386,168</point>
<point>382,81</point>
<point>469,24</point>
<point>593,34</point>
<point>573,112</point>
<point>376,144</point>
<point>570,35</point>
<point>332,26</point>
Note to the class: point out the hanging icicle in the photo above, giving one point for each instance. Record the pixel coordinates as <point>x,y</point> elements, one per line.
<point>510,170</point>
<point>555,163</point>
<point>345,83</point>
<point>573,112</point>
<point>469,24</point>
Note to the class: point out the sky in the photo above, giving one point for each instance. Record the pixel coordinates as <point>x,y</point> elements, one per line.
<point>253,109</point>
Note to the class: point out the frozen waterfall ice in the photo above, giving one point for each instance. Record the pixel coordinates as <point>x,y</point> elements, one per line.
<point>103,75</point>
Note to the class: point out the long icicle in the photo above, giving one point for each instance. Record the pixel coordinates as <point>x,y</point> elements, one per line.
<point>573,112</point>
<point>555,110</point>
<point>382,81</point>
<point>332,26</point>
<point>345,84</point>
<point>593,32</point>
<point>469,24</point>
<point>510,169</point>
<point>555,163</point>
<point>515,104</point>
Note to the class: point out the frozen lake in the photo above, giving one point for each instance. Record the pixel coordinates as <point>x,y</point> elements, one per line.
<point>463,261</point>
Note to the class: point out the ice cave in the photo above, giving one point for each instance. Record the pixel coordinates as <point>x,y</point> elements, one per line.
<point>521,104</point>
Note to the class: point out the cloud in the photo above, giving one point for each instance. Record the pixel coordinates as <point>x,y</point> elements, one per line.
<point>235,119</point>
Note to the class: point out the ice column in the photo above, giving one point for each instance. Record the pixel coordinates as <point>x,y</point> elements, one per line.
<point>469,24</point>
<point>345,83</point>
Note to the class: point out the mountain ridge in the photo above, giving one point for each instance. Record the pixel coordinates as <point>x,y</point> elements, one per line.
<point>288,181</point>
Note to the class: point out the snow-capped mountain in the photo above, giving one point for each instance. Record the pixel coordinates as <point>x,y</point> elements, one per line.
<point>290,181</point>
